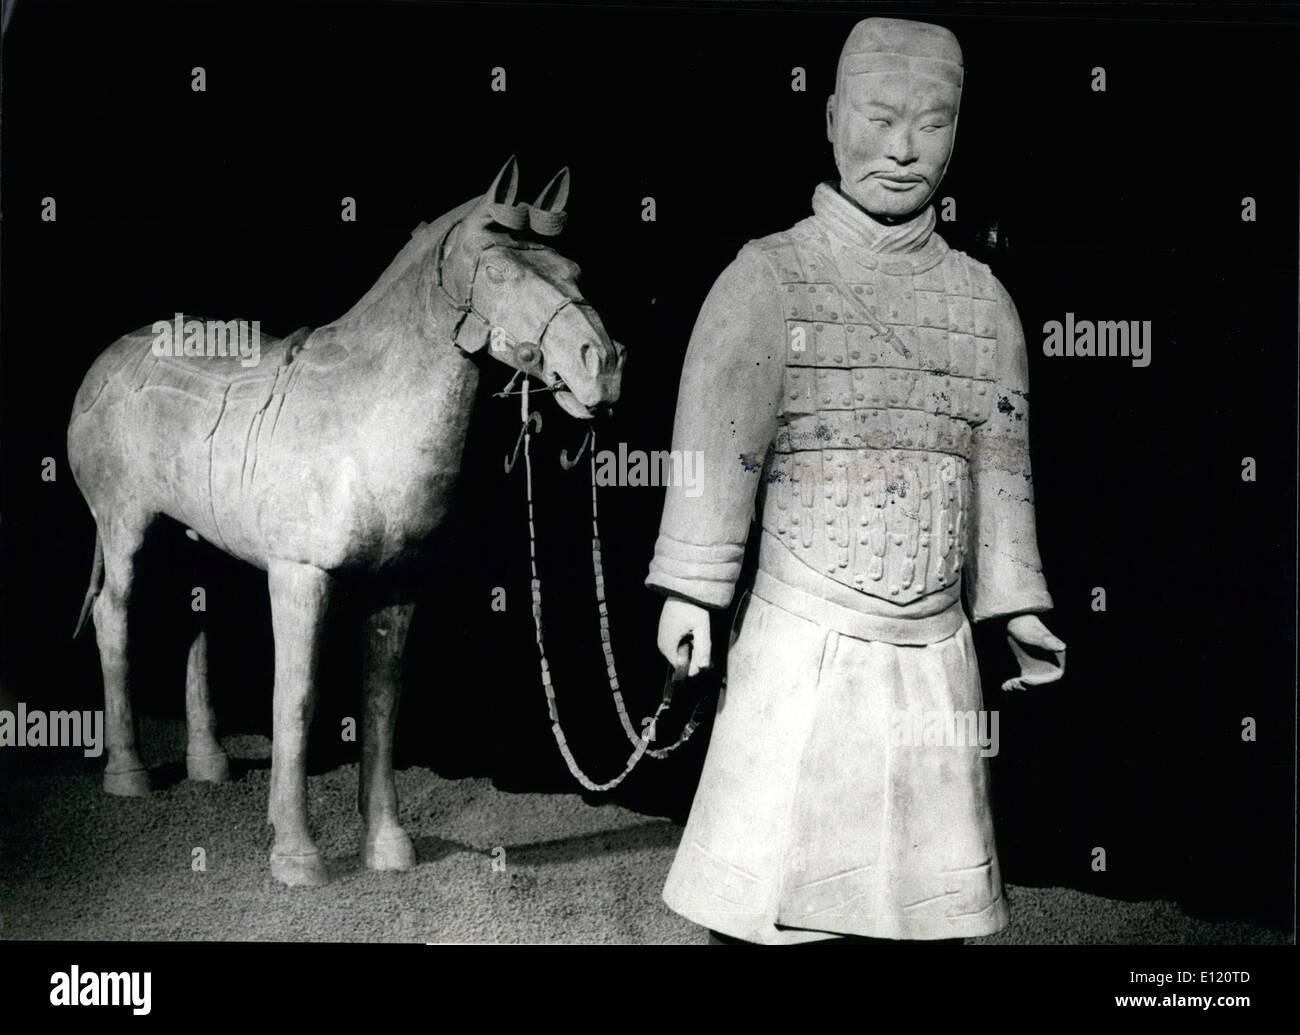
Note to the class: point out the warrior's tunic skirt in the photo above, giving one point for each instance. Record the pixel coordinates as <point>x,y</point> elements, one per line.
<point>820,807</point>
<point>865,385</point>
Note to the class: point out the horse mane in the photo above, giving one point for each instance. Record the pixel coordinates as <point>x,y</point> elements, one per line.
<point>423,238</point>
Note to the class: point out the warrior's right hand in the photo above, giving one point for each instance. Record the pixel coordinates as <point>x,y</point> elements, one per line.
<point>683,622</point>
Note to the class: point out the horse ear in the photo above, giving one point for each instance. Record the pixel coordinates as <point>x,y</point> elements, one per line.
<point>506,185</point>
<point>555,195</point>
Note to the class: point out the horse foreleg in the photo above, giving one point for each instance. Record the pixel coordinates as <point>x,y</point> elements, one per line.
<point>204,757</point>
<point>387,846</point>
<point>124,773</point>
<point>299,599</point>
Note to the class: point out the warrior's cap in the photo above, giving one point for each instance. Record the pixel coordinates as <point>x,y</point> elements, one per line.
<point>900,45</point>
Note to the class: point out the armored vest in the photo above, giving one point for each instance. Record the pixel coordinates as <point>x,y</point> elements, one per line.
<point>890,364</point>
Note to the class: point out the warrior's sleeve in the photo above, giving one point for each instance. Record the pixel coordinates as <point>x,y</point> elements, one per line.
<point>1004,575</point>
<point>726,417</point>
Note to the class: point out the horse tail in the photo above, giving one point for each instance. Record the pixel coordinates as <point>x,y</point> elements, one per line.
<point>96,584</point>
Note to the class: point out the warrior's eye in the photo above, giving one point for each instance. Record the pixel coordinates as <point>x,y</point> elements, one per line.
<point>494,274</point>
<point>882,122</point>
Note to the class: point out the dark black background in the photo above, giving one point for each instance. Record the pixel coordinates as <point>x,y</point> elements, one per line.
<point>1122,205</point>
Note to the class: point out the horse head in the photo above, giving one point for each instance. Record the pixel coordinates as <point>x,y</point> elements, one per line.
<point>512,294</point>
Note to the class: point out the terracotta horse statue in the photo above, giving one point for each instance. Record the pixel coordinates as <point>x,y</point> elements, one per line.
<point>332,460</point>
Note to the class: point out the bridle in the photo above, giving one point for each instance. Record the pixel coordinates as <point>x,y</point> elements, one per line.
<point>470,331</point>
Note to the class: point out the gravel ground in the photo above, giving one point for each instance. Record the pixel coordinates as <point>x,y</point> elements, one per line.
<point>493,867</point>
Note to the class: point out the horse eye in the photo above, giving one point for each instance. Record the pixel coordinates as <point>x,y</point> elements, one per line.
<point>495,275</point>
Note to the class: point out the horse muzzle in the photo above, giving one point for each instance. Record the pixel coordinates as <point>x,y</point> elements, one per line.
<point>581,363</point>
<point>599,389</point>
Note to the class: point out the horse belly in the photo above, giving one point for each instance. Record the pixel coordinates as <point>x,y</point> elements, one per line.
<point>294,484</point>
<point>174,443</point>
<point>243,467</point>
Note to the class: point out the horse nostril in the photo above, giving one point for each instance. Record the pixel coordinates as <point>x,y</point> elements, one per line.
<point>592,358</point>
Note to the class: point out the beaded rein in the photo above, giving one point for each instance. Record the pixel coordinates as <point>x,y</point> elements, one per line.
<point>640,740</point>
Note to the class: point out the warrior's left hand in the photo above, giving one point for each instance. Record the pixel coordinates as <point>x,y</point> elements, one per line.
<point>1029,631</point>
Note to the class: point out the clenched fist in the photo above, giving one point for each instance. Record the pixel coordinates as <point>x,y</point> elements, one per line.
<point>683,622</point>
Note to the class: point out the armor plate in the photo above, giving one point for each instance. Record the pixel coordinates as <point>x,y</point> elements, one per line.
<point>889,366</point>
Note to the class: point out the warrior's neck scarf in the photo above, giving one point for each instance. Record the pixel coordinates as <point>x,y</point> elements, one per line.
<point>855,226</point>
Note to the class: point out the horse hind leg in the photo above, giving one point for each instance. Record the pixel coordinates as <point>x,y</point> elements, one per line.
<point>121,537</point>
<point>386,846</point>
<point>205,759</point>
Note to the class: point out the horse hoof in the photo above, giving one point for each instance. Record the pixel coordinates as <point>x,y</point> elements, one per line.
<point>299,870</point>
<point>393,851</point>
<point>133,783</point>
<point>213,768</point>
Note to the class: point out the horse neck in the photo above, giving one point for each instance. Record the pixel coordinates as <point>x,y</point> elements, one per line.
<point>393,315</point>
<point>391,308</point>
<point>401,354</point>
<point>423,239</point>
<point>405,359</point>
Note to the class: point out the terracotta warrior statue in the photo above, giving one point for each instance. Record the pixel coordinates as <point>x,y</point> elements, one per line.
<point>864,386</point>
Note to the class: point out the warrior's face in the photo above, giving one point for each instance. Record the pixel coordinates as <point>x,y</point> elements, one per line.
<point>892,133</point>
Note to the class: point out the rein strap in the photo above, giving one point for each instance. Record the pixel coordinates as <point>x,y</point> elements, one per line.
<point>640,740</point>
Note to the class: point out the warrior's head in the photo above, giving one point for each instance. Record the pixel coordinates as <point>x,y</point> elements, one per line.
<point>893,117</point>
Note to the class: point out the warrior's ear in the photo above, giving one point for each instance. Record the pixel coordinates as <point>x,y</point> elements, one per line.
<point>555,195</point>
<point>506,185</point>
